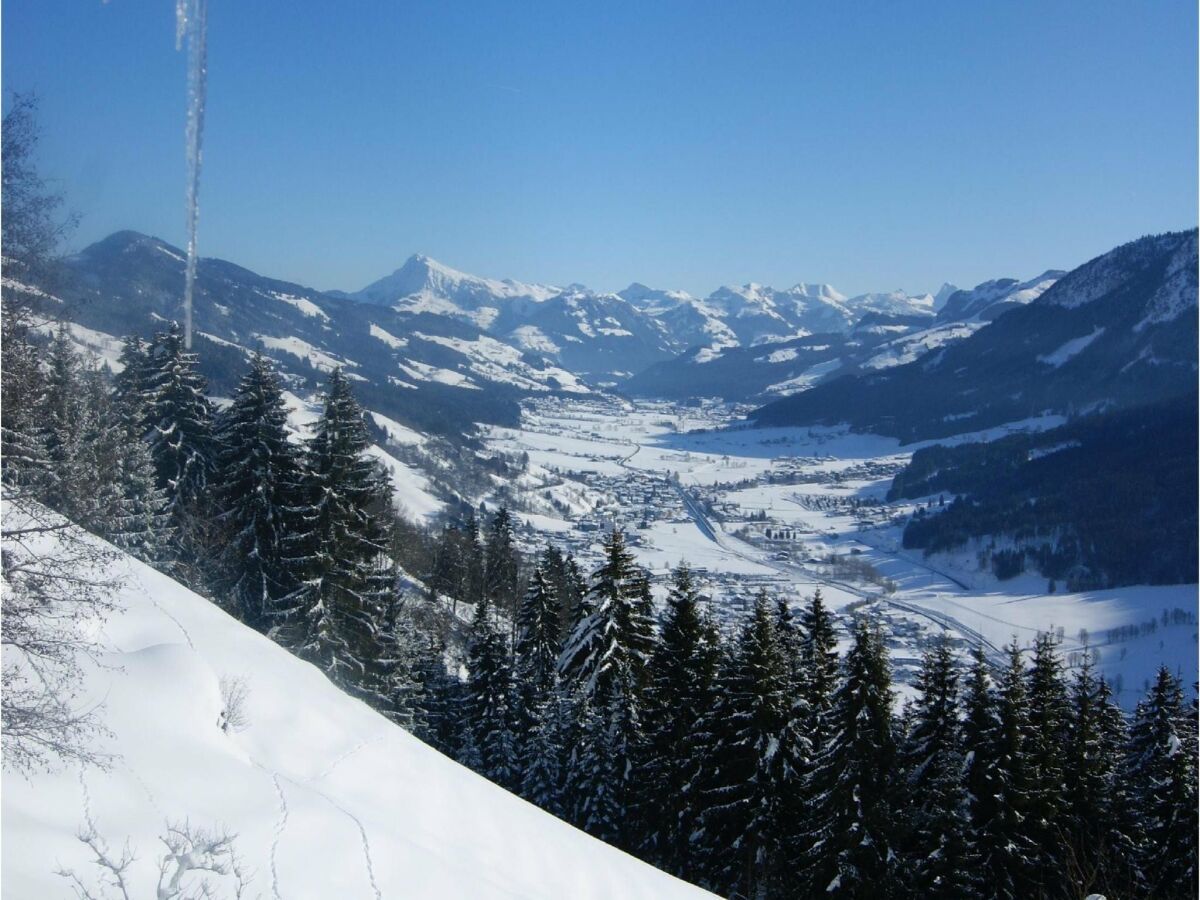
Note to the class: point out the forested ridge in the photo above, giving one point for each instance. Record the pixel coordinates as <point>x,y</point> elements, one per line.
<point>1105,500</point>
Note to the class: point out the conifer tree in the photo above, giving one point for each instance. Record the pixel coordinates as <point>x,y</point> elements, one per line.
<point>851,848</point>
<point>337,553</point>
<point>757,761</point>
<point>999,792</point>
<point>537,646</point>
<point>61,427</point>
<point>490,698</point>
<point>181,445</point>
<point>1095,848</point>
<point>818,651</point>
<point>594,773</point>
<point>944,863</point>
<point>1164,785</point>
<point>543,751</point>
<point>613,640</point>
<point>501,564</point>
<point>447,574</point>
<point>473,554</point>
<point>100,502</point>
<point>132,386</point>
<point>258,490</point>
<point>405,672</point>
<point>681,691</point>
<point>1047,735</point>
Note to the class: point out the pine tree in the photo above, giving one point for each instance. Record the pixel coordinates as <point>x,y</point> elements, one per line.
<point>613,640</point>
<point>944,864</point>
<point>1121,869</point>
<point>61,427</point>
<point>141,525</point>
<point>851,847</point>
<point>490,699</point>
<point>181,445</point>
<point>447,575</point>
<point>594,772</point>
<point>1095,849</point>
<point>999,784</point>
<point>681,692</point>
<point>473,553</point>
<point>501,564</point>
<point>818,653</point>
<point>1164,784</point>
<point>1047,735</point>
<point>132,386</point>
<point>543,753</point>
<point>537,647</point>
<point>100,505</point>
<point>757,761</point>
<point>338,553</point>
<point>258,489</point>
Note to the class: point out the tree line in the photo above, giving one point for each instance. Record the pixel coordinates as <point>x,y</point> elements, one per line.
<point>754,761</point>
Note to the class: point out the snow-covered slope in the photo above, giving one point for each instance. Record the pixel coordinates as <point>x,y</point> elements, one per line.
<point>986,301</point>
<point>327,798</point>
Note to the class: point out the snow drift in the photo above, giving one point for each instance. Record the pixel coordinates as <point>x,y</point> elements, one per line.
<point>326,797</point>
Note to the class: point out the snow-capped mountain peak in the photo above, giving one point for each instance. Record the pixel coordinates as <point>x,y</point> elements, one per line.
<point>423,284</point>
<point>825,292</point>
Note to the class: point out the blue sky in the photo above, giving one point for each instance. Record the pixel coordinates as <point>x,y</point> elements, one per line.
<point>685,145</point>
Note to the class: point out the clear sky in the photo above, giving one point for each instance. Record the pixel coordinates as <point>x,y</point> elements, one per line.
<point>872,145</point>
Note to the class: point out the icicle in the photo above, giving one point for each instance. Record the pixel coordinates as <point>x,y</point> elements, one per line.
<point>191,22</point>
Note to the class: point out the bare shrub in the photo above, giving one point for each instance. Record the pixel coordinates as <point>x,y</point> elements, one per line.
<point>234,693</point>
<point>197,864</point>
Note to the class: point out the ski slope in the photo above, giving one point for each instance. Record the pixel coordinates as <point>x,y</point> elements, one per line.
<point>326,797</point>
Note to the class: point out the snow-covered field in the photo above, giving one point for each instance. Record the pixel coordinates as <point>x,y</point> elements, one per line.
<point>825,486</point>
<point>326,798</point>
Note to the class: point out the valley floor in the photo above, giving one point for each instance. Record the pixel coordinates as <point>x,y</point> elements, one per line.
<point>793,509</point>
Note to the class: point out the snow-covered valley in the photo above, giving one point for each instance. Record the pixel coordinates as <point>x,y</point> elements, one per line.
<point>794,509</point>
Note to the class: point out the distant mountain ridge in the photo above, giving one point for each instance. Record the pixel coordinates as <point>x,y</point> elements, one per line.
<point>432,372</point>
<point>609,336</point>
<point>1119,331</point>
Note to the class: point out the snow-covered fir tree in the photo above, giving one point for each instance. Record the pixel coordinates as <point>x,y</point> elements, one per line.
<point>851,849</point>
<point>1163,768</point>
<point>681,691</point>
<point>756,764</point>
<point>818,654</point>
<point>1098,852</point>
<point>258,493</point>
<point>501,564</point>
<point>612,641</point>
<point>944,864</point>
<point>405,672</point>
<point>537,647</point>
<point>182,446</point>
<point>490,699</point>
<point>1000,790</point>
<point>1047,735</point>
<point>338,554</point>
<point>544,751</point>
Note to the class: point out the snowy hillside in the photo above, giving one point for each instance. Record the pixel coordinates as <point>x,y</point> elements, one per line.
<point>326,797</point>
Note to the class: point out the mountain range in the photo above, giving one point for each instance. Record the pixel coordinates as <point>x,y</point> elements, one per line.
<point>440,350</point>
